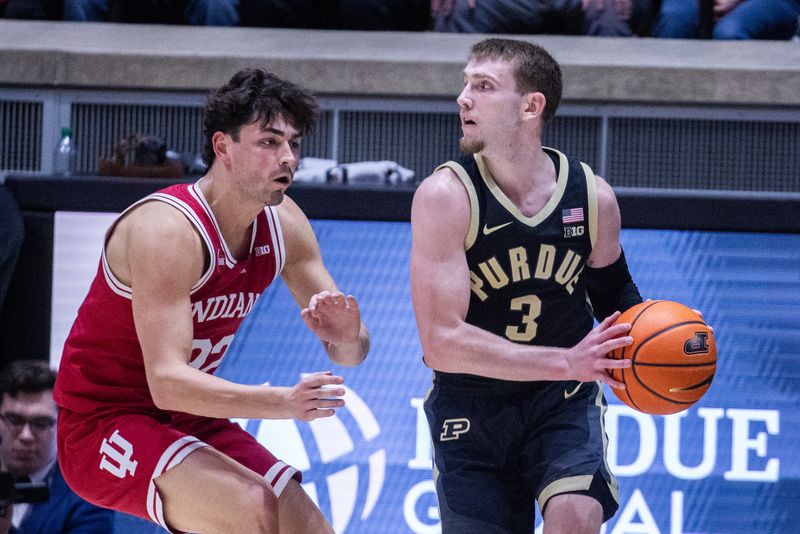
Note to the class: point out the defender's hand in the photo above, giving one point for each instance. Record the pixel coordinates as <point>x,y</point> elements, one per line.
<point>333,317</point>
<point>315,396</point>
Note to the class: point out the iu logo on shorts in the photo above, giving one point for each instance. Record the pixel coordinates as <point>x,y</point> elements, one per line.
<point>117,452</point>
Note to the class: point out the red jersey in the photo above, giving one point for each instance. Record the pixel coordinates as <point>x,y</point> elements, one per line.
<point>102,365</point>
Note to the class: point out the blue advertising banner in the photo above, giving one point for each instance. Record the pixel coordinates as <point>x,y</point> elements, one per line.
<point>727,465</point>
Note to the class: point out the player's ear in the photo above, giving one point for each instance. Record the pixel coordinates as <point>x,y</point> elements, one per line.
<point>535,103</point>
<point>220,141</point>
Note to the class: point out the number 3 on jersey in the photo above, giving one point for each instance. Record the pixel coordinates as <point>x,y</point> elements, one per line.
<point>531,306</point>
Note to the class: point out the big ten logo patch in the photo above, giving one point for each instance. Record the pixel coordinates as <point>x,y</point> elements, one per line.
<point>116,456</point>
<point>336,456</point>
<point>574,231</point>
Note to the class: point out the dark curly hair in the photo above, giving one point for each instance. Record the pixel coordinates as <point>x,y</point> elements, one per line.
<point>26,376</point>
<point>255,95</point>
<point>535,68</point>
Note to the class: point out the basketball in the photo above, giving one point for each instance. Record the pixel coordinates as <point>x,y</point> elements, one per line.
<point>673,358</point>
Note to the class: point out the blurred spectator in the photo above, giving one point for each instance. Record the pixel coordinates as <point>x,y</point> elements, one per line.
<point>683,19</point>
<point>11,234</point>
<point>33,9</point>
<point>310,14</point>
<point>394,15</point>
<point>28,451</point>
<point>372,15</point>
<point>192,12</point>
<point>572,17</point>
<point>728,19</point>
<point>143,156</point>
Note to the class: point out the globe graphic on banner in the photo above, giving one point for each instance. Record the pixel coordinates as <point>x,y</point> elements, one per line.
<point>332,460</point>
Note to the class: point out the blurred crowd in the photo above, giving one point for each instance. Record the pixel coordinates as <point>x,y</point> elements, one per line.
<point>684,19</point>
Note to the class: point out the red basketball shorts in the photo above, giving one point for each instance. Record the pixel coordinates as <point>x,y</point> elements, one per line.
<point>111,460</point>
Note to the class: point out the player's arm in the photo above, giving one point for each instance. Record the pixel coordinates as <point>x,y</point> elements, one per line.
<point>334,317</point>
<point>609,282</point>
<point>159,254</point>
<point>440,290</point>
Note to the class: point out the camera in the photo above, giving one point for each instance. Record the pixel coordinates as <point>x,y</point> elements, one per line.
<point>12,491</point>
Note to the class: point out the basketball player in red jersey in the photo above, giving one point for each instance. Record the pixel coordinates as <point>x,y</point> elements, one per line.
<point>144,423</point>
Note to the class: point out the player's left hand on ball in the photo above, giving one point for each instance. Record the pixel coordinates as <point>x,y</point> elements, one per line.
<point>700,314</point>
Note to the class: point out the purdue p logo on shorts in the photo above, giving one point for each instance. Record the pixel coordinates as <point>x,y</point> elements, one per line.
<point>453,428</point>
<point>117,452</point>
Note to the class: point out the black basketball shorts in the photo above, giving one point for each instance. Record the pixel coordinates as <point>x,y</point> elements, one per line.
<point>503,445</point>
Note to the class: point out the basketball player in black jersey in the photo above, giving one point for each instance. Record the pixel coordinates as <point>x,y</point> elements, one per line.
<point>515,249</point>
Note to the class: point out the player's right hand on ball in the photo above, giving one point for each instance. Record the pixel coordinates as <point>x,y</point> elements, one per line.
<point>315,396</point>
<point>588,360</point>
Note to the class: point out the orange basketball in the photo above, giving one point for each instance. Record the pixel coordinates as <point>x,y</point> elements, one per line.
<point>673,358</point>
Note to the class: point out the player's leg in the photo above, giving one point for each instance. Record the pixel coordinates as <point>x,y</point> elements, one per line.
<point>566,458</point>
<point>296,511</point>
<point>570,513</point>
<point>142,465</point>
<point>234,503</point>
<point>209,492</point>
<point>478,483</point>
<point>497,507</point>
<point>298,514</point>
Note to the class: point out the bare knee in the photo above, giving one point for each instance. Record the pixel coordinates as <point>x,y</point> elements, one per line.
<point>259,510</point>
<point>571,513</point>
<point>234,504</point>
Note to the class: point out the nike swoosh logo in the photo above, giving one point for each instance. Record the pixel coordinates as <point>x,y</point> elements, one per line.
<point>573,392</point>
<point>705,382</point>
<point>487,230</point>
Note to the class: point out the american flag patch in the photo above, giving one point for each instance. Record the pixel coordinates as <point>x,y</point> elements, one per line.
<point>572,215</point>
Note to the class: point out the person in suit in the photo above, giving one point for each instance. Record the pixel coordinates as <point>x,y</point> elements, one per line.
<point>28,451</point>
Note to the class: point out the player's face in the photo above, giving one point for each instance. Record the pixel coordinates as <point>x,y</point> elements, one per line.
<point>490,105</point>
<point>28,430</point>
<point>264,160</point>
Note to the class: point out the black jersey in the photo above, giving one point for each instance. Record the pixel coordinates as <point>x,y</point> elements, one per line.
<point>526,272</point>
<point>519,441</point>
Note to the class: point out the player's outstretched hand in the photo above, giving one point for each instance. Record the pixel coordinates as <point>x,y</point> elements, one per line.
<point>315,396</point>
<point>333,316</point>
<point>588,360</point>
